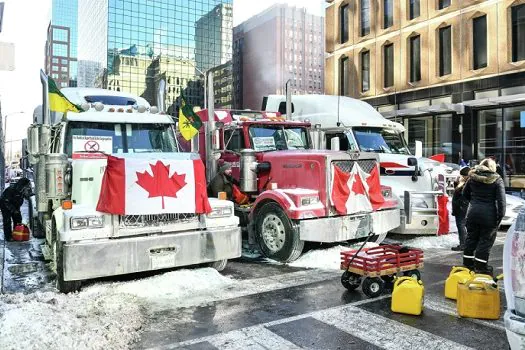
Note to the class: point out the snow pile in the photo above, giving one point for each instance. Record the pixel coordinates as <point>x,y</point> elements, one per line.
<point>182,288</point>
<point>325,259</point>
<point>77,321</point>
<point>102,316</point>
<point>437,242</point>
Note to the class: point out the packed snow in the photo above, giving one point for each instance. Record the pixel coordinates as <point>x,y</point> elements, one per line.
<point>102,316</point>
<point>434,242</point>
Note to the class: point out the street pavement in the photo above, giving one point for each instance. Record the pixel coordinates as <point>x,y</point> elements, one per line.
<point>276,306</point>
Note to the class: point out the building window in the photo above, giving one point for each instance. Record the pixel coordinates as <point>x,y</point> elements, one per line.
<point>445,51</point>
<point>388,52</point>
<point>518,33</point>
<point>415,10</point>
<point>365,17</point>
<point>388,18</point>
<point>479,40</point>
<point>343,76</point>
<point>343,15</point>
<point>365,71</point>
<point>444,4</point>
<point>415,58</point>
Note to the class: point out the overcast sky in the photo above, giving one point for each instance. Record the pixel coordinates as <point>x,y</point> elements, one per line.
<point>25,24</point>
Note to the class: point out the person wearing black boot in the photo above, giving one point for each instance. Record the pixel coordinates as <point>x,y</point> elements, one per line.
<point>10,202</point>
<point>485,192</point>
<point>460,206</point>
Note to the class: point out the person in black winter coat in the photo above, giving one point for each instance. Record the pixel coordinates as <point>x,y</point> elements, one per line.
<point>485,192</point>
<point>460,206</point>
<point>10,202</point>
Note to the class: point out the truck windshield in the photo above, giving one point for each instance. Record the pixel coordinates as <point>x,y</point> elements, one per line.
<point>119,138</point>
<point>380,140</point>
<point>276,137</point>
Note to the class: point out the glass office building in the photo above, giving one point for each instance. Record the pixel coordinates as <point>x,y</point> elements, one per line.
<point>130,45</point>
<point>62,43</point>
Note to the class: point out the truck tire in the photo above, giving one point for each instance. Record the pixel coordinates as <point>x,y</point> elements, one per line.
<point>275,235</point>
<point>219,265</point>
<point>63,286</point>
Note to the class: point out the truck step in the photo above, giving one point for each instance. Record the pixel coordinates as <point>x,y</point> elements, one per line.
<point>46,251</point>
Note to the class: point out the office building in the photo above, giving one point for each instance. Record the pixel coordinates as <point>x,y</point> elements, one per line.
<point>281,43</point>
<point>453,72</point>
<point>62,43</point>
<point>130,45</point>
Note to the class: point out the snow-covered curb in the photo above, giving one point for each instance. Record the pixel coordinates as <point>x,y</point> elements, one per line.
<point>434,242</point>
<point>102,316</point>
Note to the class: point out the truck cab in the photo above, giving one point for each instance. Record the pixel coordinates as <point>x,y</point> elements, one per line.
<point>70,155</point>
<point>357,127</point>
<point>290,185</point>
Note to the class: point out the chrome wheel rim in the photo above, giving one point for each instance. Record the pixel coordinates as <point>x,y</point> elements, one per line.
<point>374,287</point>
<point>273,233</point>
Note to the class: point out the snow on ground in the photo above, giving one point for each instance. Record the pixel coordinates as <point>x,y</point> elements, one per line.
<point>102,316</point>
<point>437,242</point>
<point>325,259</point>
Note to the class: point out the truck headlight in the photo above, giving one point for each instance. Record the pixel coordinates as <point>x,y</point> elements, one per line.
<point>309,200</point>
<point>78,223</point>
<point>220,212</point>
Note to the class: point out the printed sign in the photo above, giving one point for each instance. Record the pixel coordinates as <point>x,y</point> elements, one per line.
<point>264,143</point>
<point>522,119</point>
<point>91,147</point>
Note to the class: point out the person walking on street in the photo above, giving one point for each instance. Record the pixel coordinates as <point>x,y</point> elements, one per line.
<point>460,206</point>
<point>485,192</point>
<point>10,203</point>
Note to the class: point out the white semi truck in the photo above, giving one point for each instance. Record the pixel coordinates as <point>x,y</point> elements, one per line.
<point>85,243</point>
<point>353,125</point>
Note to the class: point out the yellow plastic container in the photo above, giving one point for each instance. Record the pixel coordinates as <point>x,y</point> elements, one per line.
<point>458,274</point>
<point>479,298</point>
<point>408,296</point>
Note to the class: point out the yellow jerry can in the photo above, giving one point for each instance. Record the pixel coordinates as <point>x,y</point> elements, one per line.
<point>458,274</point>
<point>479,298</point>
<point>408,295</point>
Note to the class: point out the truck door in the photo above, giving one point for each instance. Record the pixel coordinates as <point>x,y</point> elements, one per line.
<point>233,144</point>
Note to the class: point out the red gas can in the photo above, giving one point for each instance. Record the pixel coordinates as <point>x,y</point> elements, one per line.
<point>21,233</point>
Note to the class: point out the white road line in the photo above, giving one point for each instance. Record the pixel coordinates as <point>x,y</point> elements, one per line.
<point>448,307</point>
<point>255,338</point>
<point>384,332</point>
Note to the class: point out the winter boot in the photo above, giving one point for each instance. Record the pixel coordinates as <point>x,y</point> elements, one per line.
<point>483,268</point>
<point>468,262</point>
<point>459,248</point>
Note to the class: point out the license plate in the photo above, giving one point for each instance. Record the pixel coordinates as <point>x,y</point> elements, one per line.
<point>161,261</point>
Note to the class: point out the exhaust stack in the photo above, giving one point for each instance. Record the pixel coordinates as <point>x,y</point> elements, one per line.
<point>211,165</point>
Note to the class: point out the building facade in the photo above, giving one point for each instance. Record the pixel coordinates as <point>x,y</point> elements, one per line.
<point>282,43</point>
<point>452,71</point>
<point>61,44</point>
<point>130,45</point>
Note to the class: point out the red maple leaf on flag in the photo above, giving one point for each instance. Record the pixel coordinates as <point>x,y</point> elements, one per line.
<point>357,186</point>
<point>161,184</point>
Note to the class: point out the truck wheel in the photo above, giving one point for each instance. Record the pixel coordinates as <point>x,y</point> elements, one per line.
<point>219,265</point>
<point>373,287</point>
<point>275,234</point>
<point>350,280</point>
<point>63,286</point>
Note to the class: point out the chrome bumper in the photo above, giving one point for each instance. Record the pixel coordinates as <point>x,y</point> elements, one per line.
<point>344,228</point>
<point>110,257</point>
<point>422,224</point>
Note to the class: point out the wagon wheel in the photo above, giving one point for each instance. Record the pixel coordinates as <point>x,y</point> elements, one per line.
<point>414,274</point>
<point>350,280</point>
<point>373,287</point>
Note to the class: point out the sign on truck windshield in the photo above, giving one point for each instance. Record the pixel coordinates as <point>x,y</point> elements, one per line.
<point>272,138</point>
<point>380,140</point>
<point>87,137</point>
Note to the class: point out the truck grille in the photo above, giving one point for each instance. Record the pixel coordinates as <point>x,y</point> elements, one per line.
<point>346,165</point>
<point>136,221</point>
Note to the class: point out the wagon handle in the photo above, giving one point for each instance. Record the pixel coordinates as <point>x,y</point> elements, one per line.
<point>370,234</point>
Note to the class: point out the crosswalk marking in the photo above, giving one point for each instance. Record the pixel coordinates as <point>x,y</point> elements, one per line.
<point>254,338</point>
<point>449,307</point>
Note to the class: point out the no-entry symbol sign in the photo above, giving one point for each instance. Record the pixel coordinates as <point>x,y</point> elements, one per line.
<point>91,146</point>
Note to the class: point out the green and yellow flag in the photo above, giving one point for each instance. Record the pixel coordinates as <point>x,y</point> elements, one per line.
<point>189,121</point>
<point>57,101</point>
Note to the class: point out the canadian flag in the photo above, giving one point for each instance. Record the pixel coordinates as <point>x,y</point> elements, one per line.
<point>356,191</point>
<point>136,184</point>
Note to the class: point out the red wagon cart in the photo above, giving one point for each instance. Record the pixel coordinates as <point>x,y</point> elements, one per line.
<point>377,266</point>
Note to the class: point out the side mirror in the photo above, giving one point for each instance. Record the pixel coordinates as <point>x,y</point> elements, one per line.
<point>33,146</point>
<point>412,161</point>
<point>334,144</point>
<point>419,149</point>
